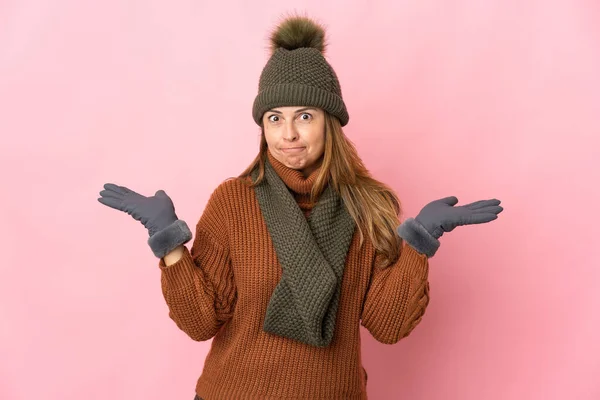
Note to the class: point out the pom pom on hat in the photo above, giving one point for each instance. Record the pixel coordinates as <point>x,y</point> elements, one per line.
<point>295,32</point>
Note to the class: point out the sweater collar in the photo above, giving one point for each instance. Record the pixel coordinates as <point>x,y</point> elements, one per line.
<point>292,178</point>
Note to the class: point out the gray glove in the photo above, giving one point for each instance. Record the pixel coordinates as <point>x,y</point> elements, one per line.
<point>441,216</point>
<point>156,213</point>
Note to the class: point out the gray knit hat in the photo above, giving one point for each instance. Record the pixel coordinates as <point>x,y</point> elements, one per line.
<point>297,73</point>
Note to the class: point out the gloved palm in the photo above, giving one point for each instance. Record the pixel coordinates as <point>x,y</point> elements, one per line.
<point>441,216</point>
<point>155,212</point>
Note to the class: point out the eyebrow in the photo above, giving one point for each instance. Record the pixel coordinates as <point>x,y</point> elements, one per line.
<point>298,110</point>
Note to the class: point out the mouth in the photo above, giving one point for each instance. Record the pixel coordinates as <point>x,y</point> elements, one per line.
<point>292,149</point>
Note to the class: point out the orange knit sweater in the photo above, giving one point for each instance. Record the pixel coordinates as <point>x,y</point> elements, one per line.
<point>220,289</point>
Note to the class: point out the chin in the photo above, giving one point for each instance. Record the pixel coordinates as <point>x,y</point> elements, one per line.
<point>296,165</point>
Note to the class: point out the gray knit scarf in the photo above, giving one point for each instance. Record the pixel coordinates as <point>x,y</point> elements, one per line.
<point>312,252</point>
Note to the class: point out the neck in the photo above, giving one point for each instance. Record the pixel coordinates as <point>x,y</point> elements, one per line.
<point>307,172</point>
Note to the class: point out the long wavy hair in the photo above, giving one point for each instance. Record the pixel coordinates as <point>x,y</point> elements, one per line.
<point>372,204</point>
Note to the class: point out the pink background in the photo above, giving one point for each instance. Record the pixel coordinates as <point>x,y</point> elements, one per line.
<point>476,99</point>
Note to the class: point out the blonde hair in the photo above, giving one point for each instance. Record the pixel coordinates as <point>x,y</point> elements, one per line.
<point>372,204</point>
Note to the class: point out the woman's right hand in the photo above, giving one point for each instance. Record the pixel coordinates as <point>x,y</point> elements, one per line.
<point>155,212</point>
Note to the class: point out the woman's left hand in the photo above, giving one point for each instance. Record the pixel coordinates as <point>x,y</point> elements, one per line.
<point>441,215</point>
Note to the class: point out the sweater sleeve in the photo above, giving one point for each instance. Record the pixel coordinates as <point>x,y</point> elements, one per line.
<point>397,297</point>
<point>200,288</point>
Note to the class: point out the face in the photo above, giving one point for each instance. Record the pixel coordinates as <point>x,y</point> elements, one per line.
<point>296,136</point>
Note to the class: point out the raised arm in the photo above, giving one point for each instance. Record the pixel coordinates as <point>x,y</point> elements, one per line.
<point>199,285</point>
<point>397,297</point>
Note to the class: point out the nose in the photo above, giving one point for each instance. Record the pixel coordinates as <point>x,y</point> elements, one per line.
<point>290,133</point>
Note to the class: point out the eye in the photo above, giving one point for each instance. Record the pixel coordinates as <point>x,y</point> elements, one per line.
<point>305,114</point>
<point>273,116</point>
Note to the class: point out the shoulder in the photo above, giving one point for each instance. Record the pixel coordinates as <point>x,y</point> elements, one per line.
<point>229,193</point>
<point>232,186</point>
<point>219,211</point>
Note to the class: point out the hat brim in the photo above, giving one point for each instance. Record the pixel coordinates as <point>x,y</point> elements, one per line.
<point>293,94</point>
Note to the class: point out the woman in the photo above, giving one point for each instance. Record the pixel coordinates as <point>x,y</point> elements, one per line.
<point>293,255</point>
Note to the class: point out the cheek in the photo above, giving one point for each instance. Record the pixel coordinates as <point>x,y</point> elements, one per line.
<point>269,137</point>
<point>313,134</point>
<point>317,140</point>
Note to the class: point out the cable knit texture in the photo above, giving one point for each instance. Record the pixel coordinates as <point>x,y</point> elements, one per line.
<point>220,290</point>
